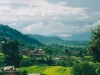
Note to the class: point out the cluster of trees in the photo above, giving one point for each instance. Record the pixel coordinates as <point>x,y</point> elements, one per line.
<point>87,67</point>
<point>13,56</point>
<point>14,34</point>
<point>11,53</point>
<point>94,44</point>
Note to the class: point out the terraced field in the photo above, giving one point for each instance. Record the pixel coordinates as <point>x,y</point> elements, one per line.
<point>48,70</point>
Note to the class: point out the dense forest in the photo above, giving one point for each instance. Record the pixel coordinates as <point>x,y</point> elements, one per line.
<point>13,34</point>
<point>45,38</point>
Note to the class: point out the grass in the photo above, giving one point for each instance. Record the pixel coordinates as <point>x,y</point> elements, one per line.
<point>1,54</point>
<point>28,69</point>
<point>48,70</point>
<point>24,56</point>
<point>58,70</point>
<point>52,70</point>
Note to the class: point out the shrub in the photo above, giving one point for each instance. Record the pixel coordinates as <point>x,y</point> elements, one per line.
<point>24,72</point>
<point>26,62</point>
<point>84,68</point>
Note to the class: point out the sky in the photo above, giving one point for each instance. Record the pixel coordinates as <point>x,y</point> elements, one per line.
<point>50,17</point>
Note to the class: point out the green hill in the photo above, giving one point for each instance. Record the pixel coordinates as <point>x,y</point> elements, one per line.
<point>14,34</point>
<point>44,38</point>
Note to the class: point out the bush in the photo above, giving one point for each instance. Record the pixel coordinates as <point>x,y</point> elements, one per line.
<point>84,68</point>
<point>27,62</point>
<point>64,63</point>
<point>24,72</point>
<point>1,73</point>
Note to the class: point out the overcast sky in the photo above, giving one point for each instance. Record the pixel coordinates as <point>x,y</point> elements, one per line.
<point>46,17</point>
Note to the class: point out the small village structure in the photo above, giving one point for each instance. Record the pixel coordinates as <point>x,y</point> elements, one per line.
<point>33,53</point>
<point>10,70</point>
<point>36,53</point>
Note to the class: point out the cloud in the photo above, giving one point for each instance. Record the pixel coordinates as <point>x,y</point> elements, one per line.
<point>34,27</point>
<point>62,3</point>
<point>58,28</point>
<point>15,25</point>
<point>5,8</point>
<point>43,17</point>
<point>39,8</point>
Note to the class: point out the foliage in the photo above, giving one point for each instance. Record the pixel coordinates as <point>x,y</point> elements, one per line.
<point>27,62</point>
<point>84,68</point>
<point>50,61</point>
<point>64,62</point>
<point>45,38</point>
<point>67,51</point>
<point>94,44</point>
<point>2,61</point>
<point>13,34</point>
<point>11,52</point>
<point>2,71</point>
<point>24,72</point>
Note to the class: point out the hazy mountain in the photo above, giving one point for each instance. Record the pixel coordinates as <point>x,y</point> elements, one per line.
<point>80,36</point>
<point>13,34</point>
<point>45,38</point>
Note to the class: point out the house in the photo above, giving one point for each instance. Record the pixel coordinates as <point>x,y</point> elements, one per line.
<point>10,70</point>
<point>26,51</point>
<point>36,53</point>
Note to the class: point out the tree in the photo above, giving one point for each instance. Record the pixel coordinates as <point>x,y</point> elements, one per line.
<point>67,51</point>
<point>94,44</point>
<point>2,71</point>
<point>24,72</point>
<point>11,52</point>
<point>50,61</point>
<point>27,62</point>
<point>84,68</point>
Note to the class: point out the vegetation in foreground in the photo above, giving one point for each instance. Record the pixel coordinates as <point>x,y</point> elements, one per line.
<point>57,59</point>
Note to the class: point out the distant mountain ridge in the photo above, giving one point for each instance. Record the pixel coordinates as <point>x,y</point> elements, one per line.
<point>80,36</point>
<point>45,38</point>
<point>13,34</point>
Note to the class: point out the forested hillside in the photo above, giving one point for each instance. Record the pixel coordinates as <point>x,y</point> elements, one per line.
<point>44,38</point>
<point>14,34</point>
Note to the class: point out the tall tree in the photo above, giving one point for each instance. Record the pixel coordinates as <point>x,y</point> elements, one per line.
<point>67,51</point>
<point>11,52</point>
<point>94,44</point>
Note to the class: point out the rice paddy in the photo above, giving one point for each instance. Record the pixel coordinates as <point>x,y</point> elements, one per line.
<point>48,70</point>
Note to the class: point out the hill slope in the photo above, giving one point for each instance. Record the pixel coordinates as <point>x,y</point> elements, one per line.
<point>44,38</point>
<point>14,34</point>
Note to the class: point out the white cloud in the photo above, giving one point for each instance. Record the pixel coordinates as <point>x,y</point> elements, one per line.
<point>58,28</point>
<point>42,17</point>
<point>34,28</point>
<point>42,8</point>
<point>15,25</point>
<point>62,3</point>
<point>6,7</point>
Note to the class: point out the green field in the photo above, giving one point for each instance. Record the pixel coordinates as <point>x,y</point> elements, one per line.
<point>48,70</point>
